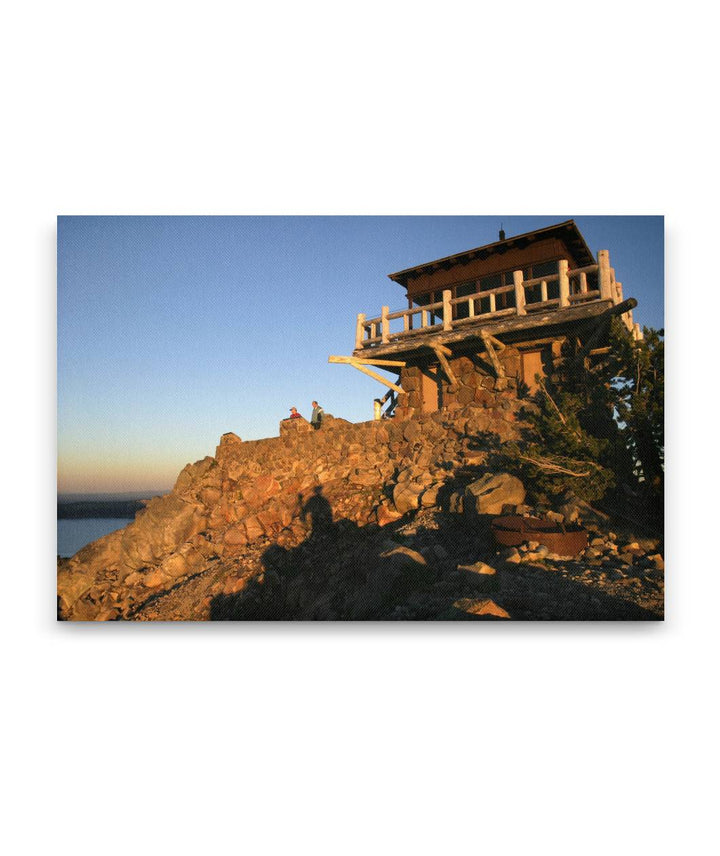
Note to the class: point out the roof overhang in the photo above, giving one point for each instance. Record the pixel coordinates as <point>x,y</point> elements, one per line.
<point>566,231</point>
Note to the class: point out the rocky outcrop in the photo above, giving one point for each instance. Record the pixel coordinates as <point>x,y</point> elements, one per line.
<point>281,490</point>
<point>353,521</point>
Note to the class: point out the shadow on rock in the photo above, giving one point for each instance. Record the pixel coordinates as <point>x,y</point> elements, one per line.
<point>433,566</point>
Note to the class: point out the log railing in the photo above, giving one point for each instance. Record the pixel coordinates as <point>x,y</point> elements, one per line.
<point>569,288</point>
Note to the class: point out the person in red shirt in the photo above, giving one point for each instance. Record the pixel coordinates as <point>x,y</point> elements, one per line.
<point>294,414</point>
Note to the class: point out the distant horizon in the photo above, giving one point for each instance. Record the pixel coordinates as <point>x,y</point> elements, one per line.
<point>175,330</point>
<point>82,496</point>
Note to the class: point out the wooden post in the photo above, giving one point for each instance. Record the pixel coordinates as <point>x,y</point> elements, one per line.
<point>564,282</point>
<point>359,331</point>
<point>492,302</point>
<point>385,321</point>
<point>424,318</point>
<point>447,309</point>
<point>583,283</point>
<point>519,293</point>
<point>543,292</point>
<point>604,275</point>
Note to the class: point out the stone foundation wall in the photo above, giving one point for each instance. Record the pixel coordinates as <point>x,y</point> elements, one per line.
<point>477,383</point>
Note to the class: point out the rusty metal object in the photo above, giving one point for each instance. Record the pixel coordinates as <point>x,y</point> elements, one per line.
<point>565,540</point>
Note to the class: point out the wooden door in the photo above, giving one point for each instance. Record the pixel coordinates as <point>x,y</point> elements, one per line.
<point>429,390</point>
<point>532,364</point>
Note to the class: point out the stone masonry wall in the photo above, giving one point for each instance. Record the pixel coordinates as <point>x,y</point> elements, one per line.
<point>476,379</point>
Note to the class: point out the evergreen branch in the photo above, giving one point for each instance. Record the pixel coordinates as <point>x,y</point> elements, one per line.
<point>557,409</point>
<point>544,464</point>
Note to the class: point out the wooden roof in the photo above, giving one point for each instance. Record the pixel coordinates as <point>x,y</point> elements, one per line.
<point>566,231</point>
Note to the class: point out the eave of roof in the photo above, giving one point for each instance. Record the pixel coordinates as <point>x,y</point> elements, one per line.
<point>568,230</point>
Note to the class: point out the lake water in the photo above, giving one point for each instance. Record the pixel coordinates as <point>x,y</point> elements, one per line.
<point>73,535</point>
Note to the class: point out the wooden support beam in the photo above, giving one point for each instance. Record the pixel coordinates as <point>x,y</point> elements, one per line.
<point>377,377</point>
<point>600,330</point>
<point>603,323</point>
<point>496,342</point>
<point>442,359</point>
<point>357,364</point>
<point>496,364</point>
<point>368,362</point>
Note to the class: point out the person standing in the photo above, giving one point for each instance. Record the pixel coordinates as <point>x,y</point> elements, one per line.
<point>317,415</point>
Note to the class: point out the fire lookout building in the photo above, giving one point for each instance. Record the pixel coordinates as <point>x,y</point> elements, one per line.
<point>492,320</point>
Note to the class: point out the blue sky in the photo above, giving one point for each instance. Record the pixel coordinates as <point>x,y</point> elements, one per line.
<point>174,330</point>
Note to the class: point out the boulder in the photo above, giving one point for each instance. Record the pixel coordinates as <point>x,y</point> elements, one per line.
<point>412,432</point>
<point>486,609</point>
<point>408,569</point>
<point>489,494</point>
<point>428,499</point>
<point>386,514</point>
<point>253,527</point>
<point>406,496</point>
<point>477,569</point>
<point>403,557</point>
<point>479,575</point>
<point>156,578</point>
<point>575,509</point>
<point>236,536</point>
<point>167,523</point>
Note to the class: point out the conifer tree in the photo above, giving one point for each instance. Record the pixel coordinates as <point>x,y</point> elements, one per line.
<point>602,433</point>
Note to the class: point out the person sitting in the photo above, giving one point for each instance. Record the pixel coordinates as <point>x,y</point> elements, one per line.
<point>294,414</point>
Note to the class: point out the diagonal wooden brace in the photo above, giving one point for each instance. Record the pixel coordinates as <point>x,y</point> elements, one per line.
<point>441,352</point>
<point>488,341</point>
<point>357,364</point>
